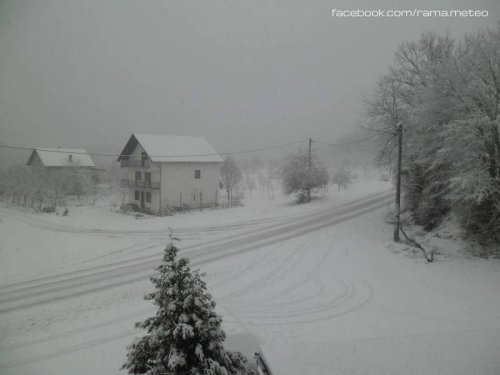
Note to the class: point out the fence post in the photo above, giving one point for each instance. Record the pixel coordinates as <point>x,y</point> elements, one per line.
<point>180,202</point>
<point>216,192</point>
<point>201,201</point>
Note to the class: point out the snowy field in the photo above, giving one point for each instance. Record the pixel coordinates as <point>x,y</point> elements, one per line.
<point>319,287</point>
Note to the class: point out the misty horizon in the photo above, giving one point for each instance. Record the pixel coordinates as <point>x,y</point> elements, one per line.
<point>244,76</point>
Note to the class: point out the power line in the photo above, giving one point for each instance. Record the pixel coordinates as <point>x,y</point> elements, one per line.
<point>152,156</point>
<point>357,140</point>
<point>370,129</point>
<point>194,155</point>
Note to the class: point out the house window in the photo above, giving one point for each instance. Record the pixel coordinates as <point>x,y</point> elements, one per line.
<point>148,197</point>
<point>144,158</point>
<point>138,176</point>
<point>147,176</point>
<point>137,195</point>
<point>197,174</point>
<point>71,158</point>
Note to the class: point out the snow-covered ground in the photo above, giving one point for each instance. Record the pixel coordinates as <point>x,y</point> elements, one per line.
<point>318,287</point>
<point>35,243</point>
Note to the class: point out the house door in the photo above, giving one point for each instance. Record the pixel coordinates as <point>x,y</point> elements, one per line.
<point>143,195</point>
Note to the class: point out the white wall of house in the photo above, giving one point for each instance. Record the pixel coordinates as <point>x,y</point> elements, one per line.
<point>176,178</point>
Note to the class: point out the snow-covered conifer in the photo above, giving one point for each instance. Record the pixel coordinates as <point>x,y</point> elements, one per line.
<point>185,335</point>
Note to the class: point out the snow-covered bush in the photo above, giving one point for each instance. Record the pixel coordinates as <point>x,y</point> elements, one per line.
<point>301,173</point>
<point>167,210</point>
<point>129,207</point>
<point>48,209</point>
<point>185,335</point>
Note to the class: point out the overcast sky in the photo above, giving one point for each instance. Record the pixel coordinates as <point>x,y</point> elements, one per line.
<point>243,74</point>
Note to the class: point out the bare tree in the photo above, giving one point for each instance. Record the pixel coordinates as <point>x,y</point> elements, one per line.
<point>112,176</point>
<point>77,180</point>
<point>268,183</point>
<point>341,177</point>
<point>262,180</point>
<point>38,183</point>
<point>56,182</point>
<point>95,189</point>
<point>250,183</point>
<point>16,183</point>
<point>231,176</point>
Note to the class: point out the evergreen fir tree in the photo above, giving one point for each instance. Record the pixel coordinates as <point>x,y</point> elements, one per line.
<point>185,337</point>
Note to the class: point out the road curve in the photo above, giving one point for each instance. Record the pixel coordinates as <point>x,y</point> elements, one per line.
<point>49,289</point>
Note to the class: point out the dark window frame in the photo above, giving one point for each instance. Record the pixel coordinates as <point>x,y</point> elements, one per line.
<point>144,158</point>
<point>138,176</point>
<point>197,174</point>
<point>148,196</point>
<point>137,195</point>
<point>147,176</point>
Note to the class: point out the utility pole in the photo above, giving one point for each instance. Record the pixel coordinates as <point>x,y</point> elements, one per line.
<point>309,168</point>
<point>397,208</point>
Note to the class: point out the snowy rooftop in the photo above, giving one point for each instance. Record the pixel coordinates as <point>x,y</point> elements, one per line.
<point>174,148</point>
<point>60,157</point>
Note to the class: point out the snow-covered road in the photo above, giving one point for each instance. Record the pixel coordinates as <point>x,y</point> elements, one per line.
<point>251,236</point>
<point>302,283</point>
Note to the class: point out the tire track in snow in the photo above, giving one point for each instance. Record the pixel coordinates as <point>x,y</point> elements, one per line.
<point>259,311</point>
<point>40,281</point>
<point>79,285</point>
<point>349,291</point>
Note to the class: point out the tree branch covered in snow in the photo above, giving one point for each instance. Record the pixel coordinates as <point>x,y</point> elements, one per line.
<point>446,93</point>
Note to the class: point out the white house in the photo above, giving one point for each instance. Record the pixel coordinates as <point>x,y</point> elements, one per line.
<point>60,158</point>
<point>53,159</point>
<point>179,171</point>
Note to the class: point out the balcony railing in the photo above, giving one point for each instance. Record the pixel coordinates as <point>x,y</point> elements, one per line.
<point>140,184</point>
<point>135,163</point>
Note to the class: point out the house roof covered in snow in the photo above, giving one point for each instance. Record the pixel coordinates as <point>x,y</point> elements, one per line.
<point>172,148</point>
<point>62,157</point>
